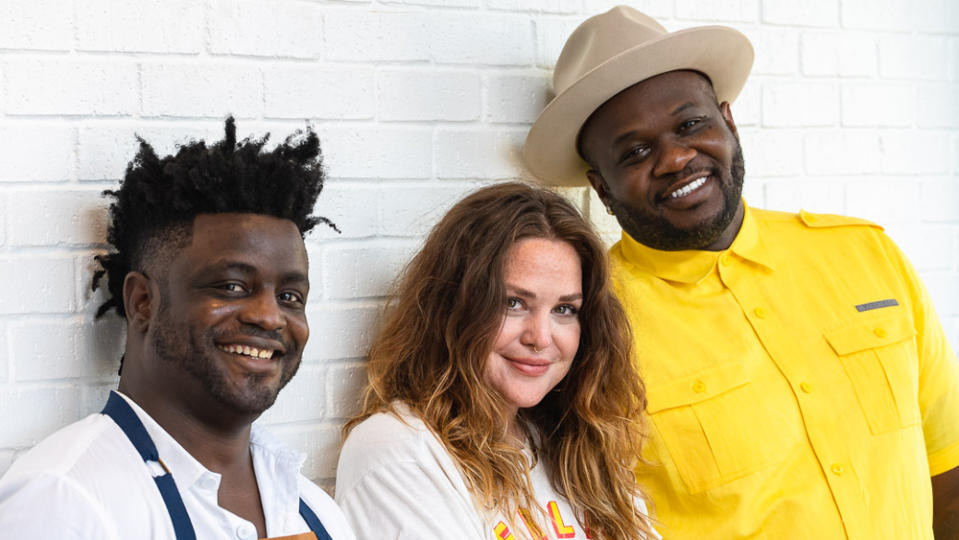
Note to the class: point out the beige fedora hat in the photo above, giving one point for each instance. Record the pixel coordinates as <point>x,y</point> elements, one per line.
<point>611,52</point>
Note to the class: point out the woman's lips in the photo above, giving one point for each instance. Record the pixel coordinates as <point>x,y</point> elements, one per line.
<point>531,367</point>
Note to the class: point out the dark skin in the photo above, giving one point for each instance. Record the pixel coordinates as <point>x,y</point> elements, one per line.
<point>945,505</point>
<point>652,140</point>
<point>240,282</point>
<point>655,138</point>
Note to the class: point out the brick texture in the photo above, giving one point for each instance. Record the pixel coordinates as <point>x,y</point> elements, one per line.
<point>852,107</point>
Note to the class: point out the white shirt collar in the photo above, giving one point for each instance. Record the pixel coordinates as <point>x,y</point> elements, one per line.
<point>276,466</point>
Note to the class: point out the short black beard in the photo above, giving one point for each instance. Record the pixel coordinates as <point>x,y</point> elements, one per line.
<point>658,233</point>
<point>185,353</point>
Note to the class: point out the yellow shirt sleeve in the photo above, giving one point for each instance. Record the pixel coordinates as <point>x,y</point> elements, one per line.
<point>938,373</point>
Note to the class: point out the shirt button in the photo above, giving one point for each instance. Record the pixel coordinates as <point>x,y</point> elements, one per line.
<point>699,387</point>
<point>760,312</point>
<point>880,332</point>
<point>837,469</point>
<point>245,532</point>
<point>725,259</point>
<point>805,387</point>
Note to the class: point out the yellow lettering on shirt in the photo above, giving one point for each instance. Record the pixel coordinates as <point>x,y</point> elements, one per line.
<point>562,529</point>
<point>503,532</point>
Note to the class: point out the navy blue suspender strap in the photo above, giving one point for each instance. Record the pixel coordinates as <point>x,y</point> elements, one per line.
<point>314,522</point>
<point>120,411</point>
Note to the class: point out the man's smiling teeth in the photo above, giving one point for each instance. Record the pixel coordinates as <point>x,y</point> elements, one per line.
<point>688,188</point>
<point>247,350</point>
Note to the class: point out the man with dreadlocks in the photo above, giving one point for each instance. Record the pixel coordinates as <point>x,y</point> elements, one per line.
<point>210,272</point>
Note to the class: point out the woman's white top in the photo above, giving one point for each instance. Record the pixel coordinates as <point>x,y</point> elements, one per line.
<point>395,480</point>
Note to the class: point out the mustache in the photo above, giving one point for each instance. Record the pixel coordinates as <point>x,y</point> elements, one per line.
<point>250,330</point>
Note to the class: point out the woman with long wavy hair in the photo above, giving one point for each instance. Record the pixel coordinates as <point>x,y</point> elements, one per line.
<point>501,402</point>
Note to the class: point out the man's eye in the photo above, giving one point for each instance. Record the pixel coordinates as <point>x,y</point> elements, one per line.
<point>635,152</point>
<point>232,287</point>
<point>291,297</point>
<point>689,124</point>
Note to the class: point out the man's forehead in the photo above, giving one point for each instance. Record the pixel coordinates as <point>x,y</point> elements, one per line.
<point>660,93</point>
<point>670,83</point>
<point>267,239</point>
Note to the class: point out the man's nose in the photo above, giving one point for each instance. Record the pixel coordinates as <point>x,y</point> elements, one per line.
<point>673,157</point>
<point>264,310</point>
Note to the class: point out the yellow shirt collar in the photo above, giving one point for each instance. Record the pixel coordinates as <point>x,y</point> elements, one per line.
<point>693,265</point>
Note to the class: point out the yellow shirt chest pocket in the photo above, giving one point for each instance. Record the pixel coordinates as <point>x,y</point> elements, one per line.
<point>710,423</point>
<point>879,356</point>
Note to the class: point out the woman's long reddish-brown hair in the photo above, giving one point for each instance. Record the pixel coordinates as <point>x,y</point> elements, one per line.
<point>438,333</point>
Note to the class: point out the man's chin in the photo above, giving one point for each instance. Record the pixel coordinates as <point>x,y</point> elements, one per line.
<point>251,396</point>
<point>249,403</point>
<point>665,236</point>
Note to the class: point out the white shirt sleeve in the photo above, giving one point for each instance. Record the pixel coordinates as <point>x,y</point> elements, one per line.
<point>395,482</point>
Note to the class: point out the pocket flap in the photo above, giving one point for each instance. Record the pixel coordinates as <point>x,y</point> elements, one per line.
<point>701,386</point>
<point>870,333</point>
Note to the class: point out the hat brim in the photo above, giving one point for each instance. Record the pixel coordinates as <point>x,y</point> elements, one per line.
<point>723,54</point>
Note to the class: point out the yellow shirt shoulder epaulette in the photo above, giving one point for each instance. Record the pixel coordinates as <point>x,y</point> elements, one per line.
<point>818,221</point>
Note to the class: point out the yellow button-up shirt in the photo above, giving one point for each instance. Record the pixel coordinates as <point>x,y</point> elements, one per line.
<point>799,383</point>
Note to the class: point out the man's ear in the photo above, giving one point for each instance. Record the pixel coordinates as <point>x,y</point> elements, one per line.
<point>138,300</point>
<point>596,180</point>
<point>727,113</point>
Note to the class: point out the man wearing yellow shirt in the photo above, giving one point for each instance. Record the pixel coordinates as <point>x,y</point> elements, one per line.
<point>799,382</point>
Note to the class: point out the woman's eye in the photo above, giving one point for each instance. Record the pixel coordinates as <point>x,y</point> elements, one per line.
<point>567,310</point>
<point>513,303</point>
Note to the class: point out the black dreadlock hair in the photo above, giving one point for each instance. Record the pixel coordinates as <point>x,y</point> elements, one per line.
<point>159,198</point>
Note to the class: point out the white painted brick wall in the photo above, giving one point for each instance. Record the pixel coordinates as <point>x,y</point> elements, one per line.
<point>156,26</point>
<point>316,92</point>
<point>845,54</point>
<point>515,98</point>
<point>482,39</point>
<point>18,153</point>
<point>913,152</point>
<point>425,95</point>
<point>260,28</point>
<point>370,36</point>
<point>717,10</point>
<point>472,153</point>
<point>789,13</point>
<point>859,104</point>
<point>39,25</point>
<point>201,89</point>
<point>853,107</point>
<point>43,86</point>
<point>907,57</point>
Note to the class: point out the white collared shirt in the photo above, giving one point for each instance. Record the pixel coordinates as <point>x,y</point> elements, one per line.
<point>88,481</point>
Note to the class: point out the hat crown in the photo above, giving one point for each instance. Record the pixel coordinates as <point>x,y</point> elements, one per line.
<point>600,38</point>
